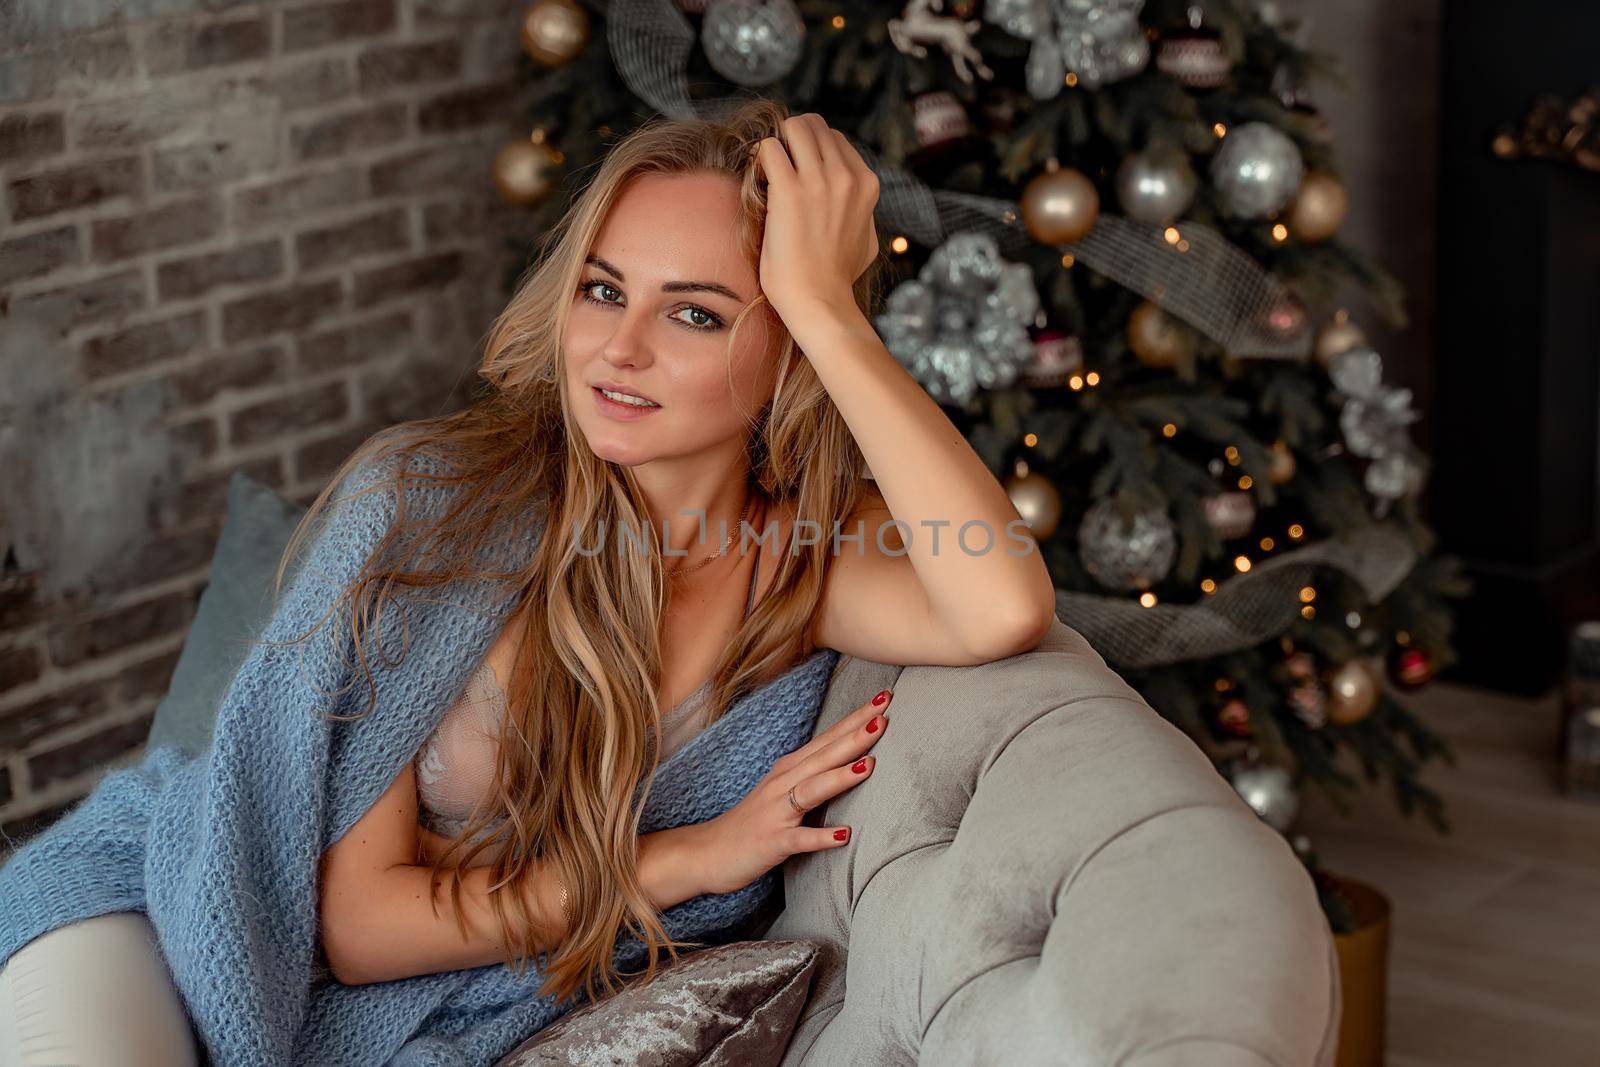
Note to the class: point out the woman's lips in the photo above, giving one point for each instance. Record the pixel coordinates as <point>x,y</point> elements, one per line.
<point>616,409</point>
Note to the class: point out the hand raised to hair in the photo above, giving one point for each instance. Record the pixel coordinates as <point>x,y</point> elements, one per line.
<point>819,233</point>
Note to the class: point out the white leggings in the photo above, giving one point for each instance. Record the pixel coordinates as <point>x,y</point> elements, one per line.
<point>96,993</point>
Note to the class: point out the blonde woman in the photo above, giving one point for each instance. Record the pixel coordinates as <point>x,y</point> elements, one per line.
<point>691,357</point>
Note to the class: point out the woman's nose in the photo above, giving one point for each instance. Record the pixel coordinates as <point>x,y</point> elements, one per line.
<point>622,356</point>
<point>627,346</point>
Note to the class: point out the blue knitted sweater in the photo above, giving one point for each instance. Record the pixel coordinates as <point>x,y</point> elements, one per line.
<point>221,850</point>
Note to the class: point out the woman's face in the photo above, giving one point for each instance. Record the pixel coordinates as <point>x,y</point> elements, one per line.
<point>652,317</point>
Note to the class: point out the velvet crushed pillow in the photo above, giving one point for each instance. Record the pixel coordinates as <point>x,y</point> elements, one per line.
<point>732,1005</point>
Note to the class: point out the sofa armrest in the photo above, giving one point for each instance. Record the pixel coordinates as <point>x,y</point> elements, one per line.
<point>1043,870</point>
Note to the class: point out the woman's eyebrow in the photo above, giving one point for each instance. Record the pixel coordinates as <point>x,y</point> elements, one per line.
<point>671,287</point>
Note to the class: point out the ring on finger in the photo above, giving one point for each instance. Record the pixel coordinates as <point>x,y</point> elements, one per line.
<point>795,804</point>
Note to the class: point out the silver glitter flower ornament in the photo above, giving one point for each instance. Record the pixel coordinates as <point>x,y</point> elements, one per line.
<point>962,324</point>
<point>1098,40</point>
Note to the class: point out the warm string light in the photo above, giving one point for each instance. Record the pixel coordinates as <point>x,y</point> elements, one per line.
<point>1068,259</point>
<point>1280,232</point>
<point>1169,430</point>
<point>899,245</point>
<point>1147,599</point>
<point>1220,130</point>
<point>1030,439</point>
<point>838,22</point>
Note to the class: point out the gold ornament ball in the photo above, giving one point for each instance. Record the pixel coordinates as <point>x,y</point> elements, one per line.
<point>553,31</point>
<point>1059,206</point>
<point>1319,209</point>
<point>1352,693</point>
<point>1283,463</point>
<point>1036,501</point>
<point>1157,338</point>
<point>1336,336</point>
<point>524,171</point>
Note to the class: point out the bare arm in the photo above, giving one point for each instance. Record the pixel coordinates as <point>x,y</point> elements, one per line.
<point>378,921</point>
<point>985,597</point>
<point>983,593</point>
<point>873,580</point>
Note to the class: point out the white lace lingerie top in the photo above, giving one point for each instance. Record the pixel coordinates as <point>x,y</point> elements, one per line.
<point>455,767</point>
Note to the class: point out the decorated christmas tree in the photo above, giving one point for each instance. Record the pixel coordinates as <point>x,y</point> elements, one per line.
<point>1115,230</point>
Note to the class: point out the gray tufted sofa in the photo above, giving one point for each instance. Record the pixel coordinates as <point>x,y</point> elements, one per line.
<point>1044,871</point>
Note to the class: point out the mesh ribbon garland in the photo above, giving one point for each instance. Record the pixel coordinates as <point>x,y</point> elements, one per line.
<point>650,41</point>
<point>1246,609</point>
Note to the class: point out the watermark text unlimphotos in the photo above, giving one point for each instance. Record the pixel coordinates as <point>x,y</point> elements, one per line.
<point>975,537</point>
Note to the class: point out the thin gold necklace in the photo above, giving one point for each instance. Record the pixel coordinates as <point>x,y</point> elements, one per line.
<point>726,545</point>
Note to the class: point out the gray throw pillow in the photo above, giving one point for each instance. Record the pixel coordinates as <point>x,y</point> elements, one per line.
<point>234,608</point>
<point>732,1005</point>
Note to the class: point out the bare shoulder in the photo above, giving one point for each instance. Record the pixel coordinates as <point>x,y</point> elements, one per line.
<point>875,520</point>
<point>777,529</point>
<point>874,604</point>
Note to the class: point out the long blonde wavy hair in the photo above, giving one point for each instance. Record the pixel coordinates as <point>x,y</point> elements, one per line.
<point>581,733</point>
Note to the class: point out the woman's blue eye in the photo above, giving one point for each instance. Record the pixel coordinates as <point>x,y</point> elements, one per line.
<point>588,285</point>
<point>585,288</point>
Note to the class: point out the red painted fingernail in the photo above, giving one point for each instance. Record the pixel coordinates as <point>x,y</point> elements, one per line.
<point>881,699</point>
<point>859,766</point>
<point>841,833</point>
<point>872,725</point>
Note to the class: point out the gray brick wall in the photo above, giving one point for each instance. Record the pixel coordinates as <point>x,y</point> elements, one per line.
<point>232,236</point>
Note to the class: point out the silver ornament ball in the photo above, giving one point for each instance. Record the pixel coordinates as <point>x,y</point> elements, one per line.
<point>1126,555</point>
<point>1257,170</point>
<point>753,42</point>
<point>1154,190</point>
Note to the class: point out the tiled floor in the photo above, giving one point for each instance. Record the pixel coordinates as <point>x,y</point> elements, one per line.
<point>1495,951</point>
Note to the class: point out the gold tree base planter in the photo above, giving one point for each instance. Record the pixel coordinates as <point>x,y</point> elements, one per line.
<point>1363,976</point>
